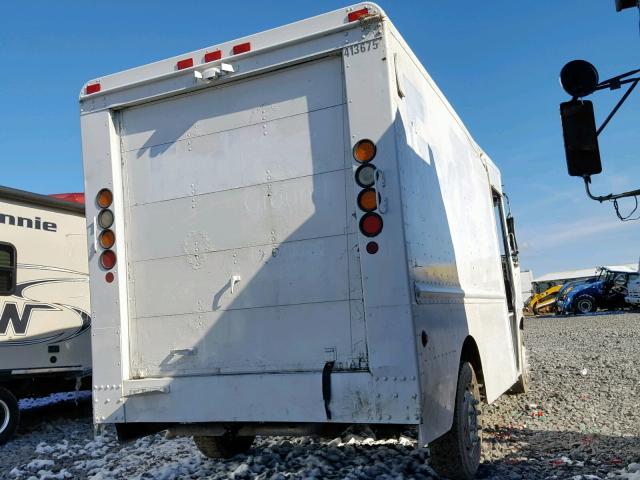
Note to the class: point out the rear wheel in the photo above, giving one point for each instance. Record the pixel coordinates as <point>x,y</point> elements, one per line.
<point>585,304</point>
<point>456,454</point>
<point>225,446</point>
<point>9,415</point>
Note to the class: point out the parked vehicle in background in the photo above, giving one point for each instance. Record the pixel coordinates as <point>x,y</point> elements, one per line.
<point>607,291</point>
<point>45,344</point>
<point>545,302</point>
<point>302,236</point>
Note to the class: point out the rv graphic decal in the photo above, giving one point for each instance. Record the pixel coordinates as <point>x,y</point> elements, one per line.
<point>19,322</point>
<point>11,319</point>
<point>26,222</point>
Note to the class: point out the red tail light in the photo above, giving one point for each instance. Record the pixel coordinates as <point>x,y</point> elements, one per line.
<point>371,224</point>
<point>108,259</point>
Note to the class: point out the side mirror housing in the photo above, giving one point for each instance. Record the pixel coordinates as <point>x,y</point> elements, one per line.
<point>580,138</point>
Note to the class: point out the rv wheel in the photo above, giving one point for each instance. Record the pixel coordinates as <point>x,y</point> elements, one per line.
<point>585,304</point>
<point>226,446</point>
<point>456,454</point>
<point>9,415</point>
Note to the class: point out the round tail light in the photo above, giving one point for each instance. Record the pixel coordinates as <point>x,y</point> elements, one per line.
<point>105,218</point>
<point>365,175</point>
<point>104,198</point>
<point>371,224</point>
<point>108,259</point>
<point>364,151</point>
<point>368,200</point>
<point>107,239</point>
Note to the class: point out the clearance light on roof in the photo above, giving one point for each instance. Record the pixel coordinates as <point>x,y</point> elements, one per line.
<point>357,14</point>
<point>242,48</point>
<point>93,88</point>
<point>185,63</point>
<point>212,56</point>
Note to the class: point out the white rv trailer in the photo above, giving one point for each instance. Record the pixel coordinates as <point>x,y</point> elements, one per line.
<point>45,345</point>
<point>306,237</point>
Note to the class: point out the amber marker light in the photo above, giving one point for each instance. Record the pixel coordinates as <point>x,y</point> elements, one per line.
<point>104,198</point>
<point>367,200</point>
<point>364,151</point>
<point>107,239</point>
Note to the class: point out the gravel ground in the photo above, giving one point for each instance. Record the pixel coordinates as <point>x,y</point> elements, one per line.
<point>581,420</point>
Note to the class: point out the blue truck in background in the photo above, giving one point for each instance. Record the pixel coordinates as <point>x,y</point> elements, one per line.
<point>608,290</point>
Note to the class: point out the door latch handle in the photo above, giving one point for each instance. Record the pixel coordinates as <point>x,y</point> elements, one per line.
<point>234,279</point>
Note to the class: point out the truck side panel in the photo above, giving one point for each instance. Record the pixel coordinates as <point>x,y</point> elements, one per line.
<point>453,251</point>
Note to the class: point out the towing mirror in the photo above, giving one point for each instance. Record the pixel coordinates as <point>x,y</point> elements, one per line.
<point>580,138</point>
<point>511,231</point>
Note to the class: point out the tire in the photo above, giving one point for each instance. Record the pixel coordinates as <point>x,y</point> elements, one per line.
<point>9,415</point>
<point>585,304</point>
<point>456,454</point>
<point>226,446</point>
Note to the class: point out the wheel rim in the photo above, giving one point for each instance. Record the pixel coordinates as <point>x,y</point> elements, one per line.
<point>584,306</point>
<point>5,415</point>
<point>471,438</point>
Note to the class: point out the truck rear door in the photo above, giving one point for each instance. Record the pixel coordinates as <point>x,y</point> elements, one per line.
<point>241,245</point>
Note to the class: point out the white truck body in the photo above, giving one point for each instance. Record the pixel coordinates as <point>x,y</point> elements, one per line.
<point>44,321</point>
<point>241,269</point>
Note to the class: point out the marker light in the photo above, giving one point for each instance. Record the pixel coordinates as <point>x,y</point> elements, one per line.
<point>241,48</point>
<point>105,218</point>
<point>107,239</point>
<point>93,88</point>
<point>104,198</point>
<point>372,248</point>
<point>365,175</point>
<point>371,224</point>
<point>212,56</point>
<point>186,63</point>
<point>357,14</point>
<point>364,151</point>
<point>108,259</point>
<point>367,200</point>
<point>109,277</point>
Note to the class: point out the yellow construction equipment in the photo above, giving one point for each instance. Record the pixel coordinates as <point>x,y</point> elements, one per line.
<point>544,302</point>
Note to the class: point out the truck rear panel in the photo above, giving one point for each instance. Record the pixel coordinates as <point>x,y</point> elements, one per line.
<point>239,229</point>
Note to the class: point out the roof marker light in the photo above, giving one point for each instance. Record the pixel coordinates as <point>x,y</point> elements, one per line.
<point>93,88</point>
<point>242,48</point>
<point>185,63</point>
<point>212,56</point>
<point>357,14</point>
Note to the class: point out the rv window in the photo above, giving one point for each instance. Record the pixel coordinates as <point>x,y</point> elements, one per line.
<point>7,268</point>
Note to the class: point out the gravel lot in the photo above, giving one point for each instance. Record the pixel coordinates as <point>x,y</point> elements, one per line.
<point>581,420</point>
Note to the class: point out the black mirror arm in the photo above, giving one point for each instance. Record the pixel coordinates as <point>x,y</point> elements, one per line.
<point>634,82</point>
<point>611,196</point>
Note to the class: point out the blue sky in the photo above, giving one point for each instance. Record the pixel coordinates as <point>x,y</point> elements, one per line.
<point>497,62</point>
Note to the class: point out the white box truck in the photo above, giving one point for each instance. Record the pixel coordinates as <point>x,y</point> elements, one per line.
<point>305,237</point>
<point>45,345</point>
